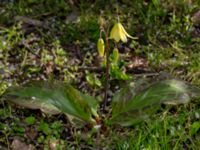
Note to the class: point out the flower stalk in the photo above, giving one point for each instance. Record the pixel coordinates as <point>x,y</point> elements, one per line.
<point>107,73</point>
<point>117,33</point>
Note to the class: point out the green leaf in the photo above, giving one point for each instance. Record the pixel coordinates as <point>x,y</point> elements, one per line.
<point>194,127</point>
<point>54,97</point>
<point>30,120</point>
<point>135,103</point>
<point>44,127</point>
<point>93,80</point>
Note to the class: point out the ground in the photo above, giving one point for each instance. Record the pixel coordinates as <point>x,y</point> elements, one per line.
<point>45,40</point>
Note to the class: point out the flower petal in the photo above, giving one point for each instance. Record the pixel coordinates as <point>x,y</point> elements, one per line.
<point>124,31</point>
<point>114,34</point>
<point>122,35</point>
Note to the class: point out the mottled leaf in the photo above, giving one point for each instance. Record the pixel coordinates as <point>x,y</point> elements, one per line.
<point>54,97</point>
<point>137,102</point>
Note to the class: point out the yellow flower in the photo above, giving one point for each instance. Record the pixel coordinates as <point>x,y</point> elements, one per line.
<point>100,47</point>
<point>119,33</point>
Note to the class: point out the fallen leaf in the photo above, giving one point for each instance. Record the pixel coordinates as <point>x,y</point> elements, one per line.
<point>17,144</point>
<point>196,17</point>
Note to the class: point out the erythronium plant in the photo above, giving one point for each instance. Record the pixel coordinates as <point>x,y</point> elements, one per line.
<point>117,33</point>
<point>132,104</point>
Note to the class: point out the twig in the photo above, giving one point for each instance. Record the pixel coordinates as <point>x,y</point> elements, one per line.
<point>146,74</point>
<point>136,71</point>
<point>30,21</point>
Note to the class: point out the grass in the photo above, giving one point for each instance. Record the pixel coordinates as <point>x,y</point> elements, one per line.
<point>168,39</point>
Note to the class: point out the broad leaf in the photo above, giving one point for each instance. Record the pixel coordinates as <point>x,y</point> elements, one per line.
<point>54,97</point>
<point>137,102</point>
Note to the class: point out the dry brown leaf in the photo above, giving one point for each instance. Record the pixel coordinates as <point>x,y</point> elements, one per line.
<point>196,17</point>
<point>17,144</point>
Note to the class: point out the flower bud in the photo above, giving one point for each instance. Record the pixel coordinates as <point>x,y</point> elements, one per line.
<point>115,55</point>
<point>100,47</point>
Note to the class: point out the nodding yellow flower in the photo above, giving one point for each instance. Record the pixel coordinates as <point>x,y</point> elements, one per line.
<point>100,47</point>
<point>119,33</point>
